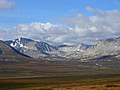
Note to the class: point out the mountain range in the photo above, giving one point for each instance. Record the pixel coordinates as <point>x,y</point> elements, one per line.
<point>38,49</point>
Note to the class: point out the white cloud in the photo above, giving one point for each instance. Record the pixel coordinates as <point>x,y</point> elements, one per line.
<point>103,25</point>
<point>5,4</point>
<point>77,29</point>
<point>40,31</point>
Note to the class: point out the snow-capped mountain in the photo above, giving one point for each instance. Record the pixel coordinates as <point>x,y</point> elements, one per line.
<point>31,48</point>
<point>37,49</point>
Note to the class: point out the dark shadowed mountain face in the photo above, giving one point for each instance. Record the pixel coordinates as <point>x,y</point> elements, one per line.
<point>8,53</point>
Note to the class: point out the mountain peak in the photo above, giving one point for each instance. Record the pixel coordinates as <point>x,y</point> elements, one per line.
<point>31,48</point>
<point>37,49</point>
<point>21,39</point>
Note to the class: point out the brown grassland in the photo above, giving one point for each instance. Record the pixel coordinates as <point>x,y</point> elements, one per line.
<point>86,82</point>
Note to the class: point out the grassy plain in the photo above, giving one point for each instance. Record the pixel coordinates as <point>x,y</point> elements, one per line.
<point>83,82</point>
<point>49,75</point>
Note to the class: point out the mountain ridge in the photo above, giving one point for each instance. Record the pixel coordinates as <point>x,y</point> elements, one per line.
<point>37,49</point>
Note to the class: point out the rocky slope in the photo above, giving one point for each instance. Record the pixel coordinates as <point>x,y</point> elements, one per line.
<point>82,52</point>
<point>101,48</point>
<point>31,48</point>
<point>72,50</point>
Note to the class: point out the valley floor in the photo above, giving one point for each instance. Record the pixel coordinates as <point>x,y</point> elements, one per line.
<point>49,75</point>
<point>92,82</point>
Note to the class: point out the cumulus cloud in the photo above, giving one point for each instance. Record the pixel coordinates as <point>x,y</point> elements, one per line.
<point>105,24</point>
<point>46,32</point>
<point>5,4</point>
<point>102,24</point>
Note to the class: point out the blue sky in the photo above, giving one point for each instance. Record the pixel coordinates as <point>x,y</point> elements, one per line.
<point>60,21</point>
<point>26,11</point>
